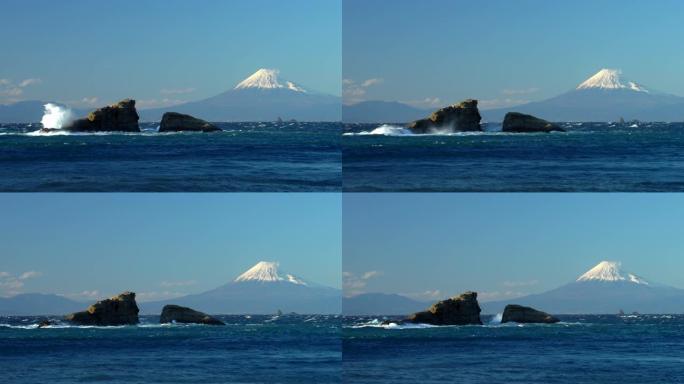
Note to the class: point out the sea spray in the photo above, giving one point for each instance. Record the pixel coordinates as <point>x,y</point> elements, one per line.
<point>496,319</point>
<point>56,117</point>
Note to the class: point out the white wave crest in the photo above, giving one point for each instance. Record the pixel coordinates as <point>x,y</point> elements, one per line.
<point>56,117</point>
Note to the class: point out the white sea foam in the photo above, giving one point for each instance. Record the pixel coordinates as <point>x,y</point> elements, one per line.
<point>56,117</point>
<point>496,319</point>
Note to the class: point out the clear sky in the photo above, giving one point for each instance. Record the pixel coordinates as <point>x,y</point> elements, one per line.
<point>505,245</point>
<point>87,52</point>
<point>160,245</point>
<point>505,52</point>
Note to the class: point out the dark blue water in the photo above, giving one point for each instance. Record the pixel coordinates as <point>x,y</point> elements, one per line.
<point>271,157</point>
<point>260,349</point>
<point>580,349</point>
<point>589,157</point>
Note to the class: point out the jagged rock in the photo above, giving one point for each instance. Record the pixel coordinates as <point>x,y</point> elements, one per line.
<point>178,122</point>
<point>119,117</point>
<point>462,117</point>
<point>519,314</point>
<point>178,314</point>
<point>45,323</point>
<point>458,310</point>
<point>522,123</point>
<point>118,310</point>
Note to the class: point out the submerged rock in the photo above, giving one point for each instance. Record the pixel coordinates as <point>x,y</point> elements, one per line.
<point>119,117</point>
<point>462,117</point>
<point>458,310</point>
<point>118,310</point>
<point>522,123</point>
<point>46,323</point>
<point>178,314</point>
<point>519,314</point>
<point>178,122</point>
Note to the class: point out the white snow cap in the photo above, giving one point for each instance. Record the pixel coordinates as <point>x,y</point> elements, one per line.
<point>267,79</point>
<point>610,271</point>
<point>610,79</point>
<point>267,271</point>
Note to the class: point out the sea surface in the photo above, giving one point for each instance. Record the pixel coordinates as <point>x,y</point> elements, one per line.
<point>588,157</point>
<point>256,349</point>
<point>271,157</point>
<point>606,349</point>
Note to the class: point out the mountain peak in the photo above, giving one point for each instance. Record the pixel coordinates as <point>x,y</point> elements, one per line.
<point>267,79</point>
<point>610,79</point>
<point>268,271</point>
<point>610,271</point>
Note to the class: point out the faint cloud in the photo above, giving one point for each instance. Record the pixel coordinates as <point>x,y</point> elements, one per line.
<point>428,102</point>
<point>499,295</point>
<point>501,103</point>
<point>158,103</point>
<point>158,295</point>
<point>90,100</point>
<point>354,284</point>
<point>354,92</point>
<point>177,91</point>
<point>512,284</point>
<point>186,283</point>
<point>425,295</point>
<point>9,88</point>
<point>83,295</point>
<point>11,284</point>
<point>26,82</point>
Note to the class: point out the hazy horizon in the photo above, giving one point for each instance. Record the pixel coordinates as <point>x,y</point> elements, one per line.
<point>493,50</point>
<point>90,246</point>
<point>432,246</point>
<point>154,61</point>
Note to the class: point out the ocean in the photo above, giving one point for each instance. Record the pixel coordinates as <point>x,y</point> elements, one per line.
<point>245,157</point>
<point>589,157</point>
<point>593,349</point>
<point>255,349</point>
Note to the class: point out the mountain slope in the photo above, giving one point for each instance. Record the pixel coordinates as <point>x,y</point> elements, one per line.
<point>260,97</point>
<point>381,304</point>
<point>604,289</point>
<point>36,304</point>
<point>262,289</point>
<point>605,96</point>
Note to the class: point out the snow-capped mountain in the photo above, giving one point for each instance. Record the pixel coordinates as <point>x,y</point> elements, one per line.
<point>603,289</point>
<point>611,79</point>
<point>262,96</point>
<point>604,96</point>
<point>267,271</point>
<point>261,289</point>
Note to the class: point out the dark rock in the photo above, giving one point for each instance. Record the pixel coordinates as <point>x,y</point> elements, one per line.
<point>519,314</point>
<point>119,117</point>
<point>521,123</point>
<point>118,310</point>
<point>462,117</point>
<point>45,323</point>
<point>178,314</point>
<point>178,122</point>
<point>458,310</point>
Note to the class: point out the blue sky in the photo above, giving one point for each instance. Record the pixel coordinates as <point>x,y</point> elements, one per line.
<point>503,245</point>
<point>436,52</point>
<point>88,53</point>
<point>93,245</point>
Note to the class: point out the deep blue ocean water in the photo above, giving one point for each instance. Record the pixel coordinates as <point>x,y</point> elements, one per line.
<point>588,157</point>
<point>271,157</point>
<point>260,349</point>
<point>581,349</point>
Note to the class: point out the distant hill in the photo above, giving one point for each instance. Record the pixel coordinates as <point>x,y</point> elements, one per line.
<point>381,304</point>
<point>605,96</point>
<point>381,112</point>
<point>604,289</point>
<point>36,304</point>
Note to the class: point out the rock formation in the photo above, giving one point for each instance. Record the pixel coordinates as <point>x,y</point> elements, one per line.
<point>519,314</point>
<point>118,310</point>
<point>178,122</point>
<point>521,123</point>
<point>458,310</point>
<point>119,117</point>
<point>178,314</point>
<point>462,117</point>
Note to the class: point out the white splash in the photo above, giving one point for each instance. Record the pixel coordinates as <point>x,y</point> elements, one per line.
<point>611,79</point>
<point>610,271</point>
<point>56,117</point>
<point>267,271</point>
<point>385,130</point>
